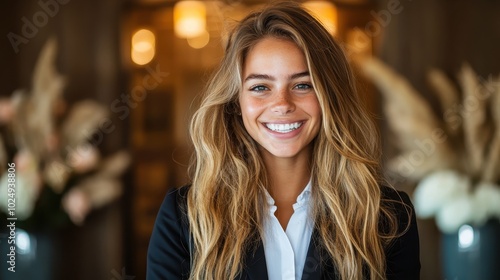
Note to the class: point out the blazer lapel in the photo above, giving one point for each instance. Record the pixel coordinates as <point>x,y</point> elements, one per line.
<point>256,268</point>
<point>312,265</point>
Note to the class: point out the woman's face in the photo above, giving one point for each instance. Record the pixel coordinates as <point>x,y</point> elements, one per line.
<point>278,104</point>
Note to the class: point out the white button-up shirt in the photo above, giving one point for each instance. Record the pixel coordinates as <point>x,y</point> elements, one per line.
<point>286,251</point>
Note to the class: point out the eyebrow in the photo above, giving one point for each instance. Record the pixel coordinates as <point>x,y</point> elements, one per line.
<point>271,78</point>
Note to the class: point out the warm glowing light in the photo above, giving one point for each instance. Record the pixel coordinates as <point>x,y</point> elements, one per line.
<point>200,41</point>
<point>358,42</point>
<point>143,46</point>
<point>325,12</point>
<point>189,19</point>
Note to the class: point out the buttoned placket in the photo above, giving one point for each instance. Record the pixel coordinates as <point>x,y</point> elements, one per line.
<point>287,249</point>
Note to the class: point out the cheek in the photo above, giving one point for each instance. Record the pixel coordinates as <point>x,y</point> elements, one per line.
<point>250,109</point>
<point>246,110</point>
<point>313,108</point>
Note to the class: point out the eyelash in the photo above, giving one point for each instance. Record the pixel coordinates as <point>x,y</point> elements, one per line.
<point>254,88</point>
<point>309,86</point>
<point>263,88</point>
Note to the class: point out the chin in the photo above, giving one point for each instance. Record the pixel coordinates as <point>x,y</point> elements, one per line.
<point>282,152</point>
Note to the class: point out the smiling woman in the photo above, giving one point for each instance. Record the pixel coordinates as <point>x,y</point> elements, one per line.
<point>278,104</point>
<point>280,111</point>
<point>285,179</point>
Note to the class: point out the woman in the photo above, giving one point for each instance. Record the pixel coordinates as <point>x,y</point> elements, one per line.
<point>286,181</point>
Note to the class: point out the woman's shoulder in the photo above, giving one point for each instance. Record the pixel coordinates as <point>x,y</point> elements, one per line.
<point>179,192</point>
<point>402,253</point>
<point>175,201</point>
<point>399,204</point>
<point>390,193</point>
<point>174,204</point>
<point>396,199</point>
<point>169,247</point>
<point>172,214</point>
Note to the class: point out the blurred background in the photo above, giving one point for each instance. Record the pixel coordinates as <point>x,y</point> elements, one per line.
<point>96,97</point>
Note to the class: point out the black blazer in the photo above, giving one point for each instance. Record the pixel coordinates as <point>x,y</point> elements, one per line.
<point>169,247</point>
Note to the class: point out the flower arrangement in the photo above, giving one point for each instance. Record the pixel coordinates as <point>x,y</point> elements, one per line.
<point>456,158</point>
<point>59,174</point>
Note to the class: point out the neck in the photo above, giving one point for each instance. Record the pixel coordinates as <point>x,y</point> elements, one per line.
<point>288,176</point>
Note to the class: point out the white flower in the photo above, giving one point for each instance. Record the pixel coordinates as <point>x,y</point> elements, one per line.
<point>28,184</point>
<point>27,189</point>
<point>487,201</point>
<point>437,189</point>
<point>455,213</point>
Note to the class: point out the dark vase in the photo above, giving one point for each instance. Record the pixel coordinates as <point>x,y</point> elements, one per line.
<point>34,256</point>
<point>473,252</point>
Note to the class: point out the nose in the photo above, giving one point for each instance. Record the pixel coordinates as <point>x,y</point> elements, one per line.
<point>283,103</point>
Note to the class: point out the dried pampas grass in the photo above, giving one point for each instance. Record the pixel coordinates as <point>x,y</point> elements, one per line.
<point>459,172</point>
<point>477,132</point>
<point>115,164</point>
<point>63,159</point>
<point>447,94</point>
<point>56,173</point>
<point>34,121</point>
<point>83,120</point>
<point>413,121</point>
<point>491,171</point>
<point>104,186</point>
<point>3,154</point>
<point>100,190</point>
<point>469,130</point>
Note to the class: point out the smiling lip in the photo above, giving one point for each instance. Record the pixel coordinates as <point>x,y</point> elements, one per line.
<point>279,129</point>
<point>284,127</point>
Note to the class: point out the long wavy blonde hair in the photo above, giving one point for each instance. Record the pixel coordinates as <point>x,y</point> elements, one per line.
<point>226,200</point>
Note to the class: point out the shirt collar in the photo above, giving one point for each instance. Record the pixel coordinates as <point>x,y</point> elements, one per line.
<point>303,197</point>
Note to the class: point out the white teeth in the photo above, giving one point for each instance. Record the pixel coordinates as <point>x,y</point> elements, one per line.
<point>284,128</point>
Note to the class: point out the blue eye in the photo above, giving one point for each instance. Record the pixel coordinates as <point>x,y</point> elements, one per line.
<point>303,86</point>
<point>258,88</point>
